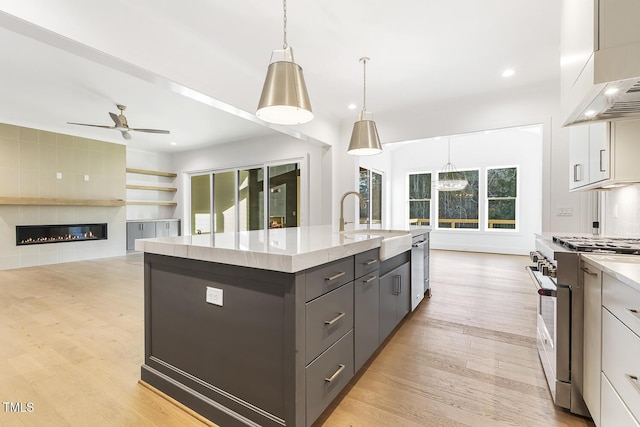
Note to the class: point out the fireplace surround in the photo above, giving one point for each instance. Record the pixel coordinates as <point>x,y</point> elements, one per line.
<point>59,233</point>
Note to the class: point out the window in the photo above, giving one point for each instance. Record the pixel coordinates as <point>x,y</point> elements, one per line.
<point>419,199</point>
<point>371,190</point>
<point>502,202</point>
<point>237,199</point>
<point>459,209</point>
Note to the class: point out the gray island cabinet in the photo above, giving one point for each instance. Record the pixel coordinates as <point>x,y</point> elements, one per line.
<point>265,328</point>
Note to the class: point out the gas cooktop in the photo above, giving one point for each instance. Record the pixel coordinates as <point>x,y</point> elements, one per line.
<point>614,245</point>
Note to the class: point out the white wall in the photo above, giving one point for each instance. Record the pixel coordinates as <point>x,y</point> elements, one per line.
<point>259,151</point>
<point>514,107</point>
<point>621,211</point>
<point>520,147</point>
<point>154,161</point>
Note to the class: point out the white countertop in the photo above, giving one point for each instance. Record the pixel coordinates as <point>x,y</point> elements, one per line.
<point>625,268</point>
<point>285,249</point>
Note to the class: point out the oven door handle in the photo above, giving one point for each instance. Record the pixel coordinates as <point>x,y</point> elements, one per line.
<point>541,289</point>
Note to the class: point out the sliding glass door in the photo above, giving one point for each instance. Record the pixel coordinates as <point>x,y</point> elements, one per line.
<point>237,199</point>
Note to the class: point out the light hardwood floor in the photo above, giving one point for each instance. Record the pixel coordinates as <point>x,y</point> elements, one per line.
<point>71,342</point>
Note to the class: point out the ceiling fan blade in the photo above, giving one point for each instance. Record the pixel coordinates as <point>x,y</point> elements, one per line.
<point>95,126</point>
<point>116,120</point>
<point>151,130</point>
<point>125,134</point>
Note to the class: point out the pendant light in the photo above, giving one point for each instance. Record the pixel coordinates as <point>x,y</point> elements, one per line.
<point>284,98</point>
<point>364,138</point>
<point>450,184</point>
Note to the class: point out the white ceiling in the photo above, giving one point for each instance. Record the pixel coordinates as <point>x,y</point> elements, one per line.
<point>422,52</point>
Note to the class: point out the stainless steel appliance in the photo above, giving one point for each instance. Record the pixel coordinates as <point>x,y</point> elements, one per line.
<point>419,269</point>
<point>560,309</point>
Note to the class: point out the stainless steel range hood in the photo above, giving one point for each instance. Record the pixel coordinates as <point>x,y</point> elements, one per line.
<point>600,60</point>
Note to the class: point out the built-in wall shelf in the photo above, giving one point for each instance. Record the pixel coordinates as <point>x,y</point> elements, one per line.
<point>44,201</point>
<point>150,187</point>
<point>148,172</point>
<point>151,203</point>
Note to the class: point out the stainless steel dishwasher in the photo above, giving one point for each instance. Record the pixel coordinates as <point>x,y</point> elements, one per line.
<point>419,269</point>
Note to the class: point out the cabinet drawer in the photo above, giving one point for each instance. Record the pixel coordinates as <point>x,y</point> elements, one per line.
<point>614,413</point>
<point>623,301</point>
<point>327,277</point>
<point>621,360</point>
<point>327,319</point>
<point>366,262</point>
<point>327,375</point>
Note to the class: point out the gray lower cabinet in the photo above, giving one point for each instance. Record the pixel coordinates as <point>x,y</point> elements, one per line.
<point>394,298</point>
<point>367,317</point>
<point>168,228</point>
<point>280,348</point>
<point>139,230</point>
<point>151,229</point>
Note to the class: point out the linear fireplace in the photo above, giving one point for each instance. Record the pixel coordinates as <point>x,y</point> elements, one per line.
<point>41,234</point>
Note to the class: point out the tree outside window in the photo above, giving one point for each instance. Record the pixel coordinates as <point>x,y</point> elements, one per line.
<point>371,189</point>
<point>459,209</point>
<point>502,187</point>
<point>419,199</point>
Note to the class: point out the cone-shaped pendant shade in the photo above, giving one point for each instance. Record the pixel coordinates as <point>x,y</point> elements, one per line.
<point>284,98</point>
<point>364,138</point>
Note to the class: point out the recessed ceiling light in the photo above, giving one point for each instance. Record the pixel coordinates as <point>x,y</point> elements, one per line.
<point>611,91</point>
<point>589,113</point>
<point>508,72</point>
<point>352,106</point>
<point>174,143</point>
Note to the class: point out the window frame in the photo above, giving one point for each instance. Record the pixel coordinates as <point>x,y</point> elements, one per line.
<point>516,198</point>
<point>409,200</point>
<point>369,224</point>
<point>436,219</point>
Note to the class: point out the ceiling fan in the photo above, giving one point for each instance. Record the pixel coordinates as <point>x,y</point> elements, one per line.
<point>121,124</point>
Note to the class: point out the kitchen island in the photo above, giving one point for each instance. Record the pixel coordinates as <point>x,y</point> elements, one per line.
<point>264,328</point>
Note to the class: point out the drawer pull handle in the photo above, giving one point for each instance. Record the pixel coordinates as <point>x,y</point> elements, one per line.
<point>335,319</point>
<point>336,373</point>
<point>634,313</point>
<point>371,261</point>
<point>370,279</point>
<point>586,270</point>
<point>634,381</point>
<point>335,276</point>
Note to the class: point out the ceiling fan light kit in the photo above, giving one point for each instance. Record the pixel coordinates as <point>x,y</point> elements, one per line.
<point>121,124</point>
<point>365,140</point>
<point>284,99</point>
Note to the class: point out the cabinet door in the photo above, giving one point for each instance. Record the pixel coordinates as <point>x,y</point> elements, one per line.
<point>598,152</point>
<point>403,300</point>
<point>162,228</point>
<point>133,232</point>
<point>174,228</point>
<point>148,230</point>
<point>388,294</point>
<point>367,317</point>
<point>578,156</point>
<point>592,340</point>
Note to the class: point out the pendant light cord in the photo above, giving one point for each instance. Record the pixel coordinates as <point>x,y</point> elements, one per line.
<point>284,7</point>
<point>364,79</point>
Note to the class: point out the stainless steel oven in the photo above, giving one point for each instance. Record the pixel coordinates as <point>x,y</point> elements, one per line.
<point>555,274</point>
<point>560,310</point>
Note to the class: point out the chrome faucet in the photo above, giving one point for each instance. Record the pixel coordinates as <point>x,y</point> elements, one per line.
<point>362,204</point>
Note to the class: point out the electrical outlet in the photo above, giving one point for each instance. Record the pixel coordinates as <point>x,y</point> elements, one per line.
<point>214,296</point>
<point>564,212</point>
<point>59,175</point>
<point>86,177</point>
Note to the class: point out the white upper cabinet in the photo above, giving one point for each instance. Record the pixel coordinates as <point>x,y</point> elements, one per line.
<point>604,154</point>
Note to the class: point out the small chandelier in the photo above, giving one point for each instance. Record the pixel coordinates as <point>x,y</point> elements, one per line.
<point>284,98</point>
<point>364,138</point>
<point>450,184</point>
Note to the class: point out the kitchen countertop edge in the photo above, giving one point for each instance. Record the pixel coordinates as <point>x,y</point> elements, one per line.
<point>622,267</point>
